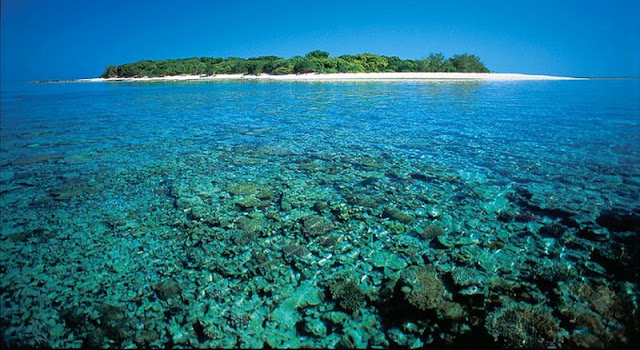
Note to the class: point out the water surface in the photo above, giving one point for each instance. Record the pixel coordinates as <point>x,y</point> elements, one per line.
<point>289,214</point>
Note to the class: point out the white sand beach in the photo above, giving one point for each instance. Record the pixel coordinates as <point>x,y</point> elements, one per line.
<point>342,77</point>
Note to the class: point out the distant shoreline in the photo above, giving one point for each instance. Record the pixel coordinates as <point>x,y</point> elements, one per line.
<point>440,76</point>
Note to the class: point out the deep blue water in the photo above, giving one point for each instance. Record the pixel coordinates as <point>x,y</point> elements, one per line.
<point>246,214</point>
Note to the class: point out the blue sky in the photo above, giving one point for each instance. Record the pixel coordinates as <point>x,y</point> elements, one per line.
<point>42,39</point>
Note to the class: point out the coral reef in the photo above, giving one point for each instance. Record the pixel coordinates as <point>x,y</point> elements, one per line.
<point>428,291</point>
<point>224,216</point>
<point>315,225</point>
<point>430,231</point>
<point>348,294</point>
<point>166,290</point>
<point>524,326</point>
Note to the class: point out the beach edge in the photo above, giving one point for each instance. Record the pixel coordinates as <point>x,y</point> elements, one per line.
<point>439,76</point>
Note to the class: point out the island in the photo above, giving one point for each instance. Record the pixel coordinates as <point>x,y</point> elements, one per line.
<point>315,66</point>
<point>314,62</point>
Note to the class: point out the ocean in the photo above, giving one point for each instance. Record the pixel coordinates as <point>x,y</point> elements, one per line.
<point>320,214</point>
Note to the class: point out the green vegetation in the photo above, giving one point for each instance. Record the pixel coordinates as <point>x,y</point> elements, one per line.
<point>313,62</point>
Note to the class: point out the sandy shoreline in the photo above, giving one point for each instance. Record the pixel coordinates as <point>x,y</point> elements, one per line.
<point>341,77</point>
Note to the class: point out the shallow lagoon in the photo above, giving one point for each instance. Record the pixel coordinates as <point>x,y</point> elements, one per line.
<point>253,214</point>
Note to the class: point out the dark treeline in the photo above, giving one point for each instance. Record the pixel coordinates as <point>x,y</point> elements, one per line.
<point>314,62</point>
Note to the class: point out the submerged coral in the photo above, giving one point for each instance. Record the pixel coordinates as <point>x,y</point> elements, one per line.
<point>430,231</point>
<point>348,294</point>
<point>185,216</point>
<point>428,290</point>
<point>524,326</point>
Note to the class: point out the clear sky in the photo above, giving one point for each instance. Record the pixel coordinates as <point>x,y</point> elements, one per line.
<point>44,39</point>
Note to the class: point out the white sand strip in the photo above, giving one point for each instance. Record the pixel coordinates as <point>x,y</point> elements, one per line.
<point>344,77</point>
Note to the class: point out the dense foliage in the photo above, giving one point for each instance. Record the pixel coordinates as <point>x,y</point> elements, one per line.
<point>313,62</point>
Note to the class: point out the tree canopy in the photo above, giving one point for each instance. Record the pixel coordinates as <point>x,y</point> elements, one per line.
<point>314,62</point>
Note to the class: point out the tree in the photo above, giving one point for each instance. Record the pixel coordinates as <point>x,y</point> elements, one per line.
<point>317,54</point>
<point>468,63</point>
<point>282,67</point>
<point>255,67</point>
<point>436,61</point>
<point>448,66</point>
<point>110,72</point>
<point>314,61</point>
<point>231,66</point>
<point>424,65</point>
<point>399,65</point>
<point>304,65</point>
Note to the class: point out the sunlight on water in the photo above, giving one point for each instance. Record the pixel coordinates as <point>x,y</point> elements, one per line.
<point>247,214</point>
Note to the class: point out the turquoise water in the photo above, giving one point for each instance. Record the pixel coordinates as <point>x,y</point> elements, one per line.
<point>253,214</point>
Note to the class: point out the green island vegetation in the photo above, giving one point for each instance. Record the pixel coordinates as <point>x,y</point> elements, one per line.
<point>314,62</point>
